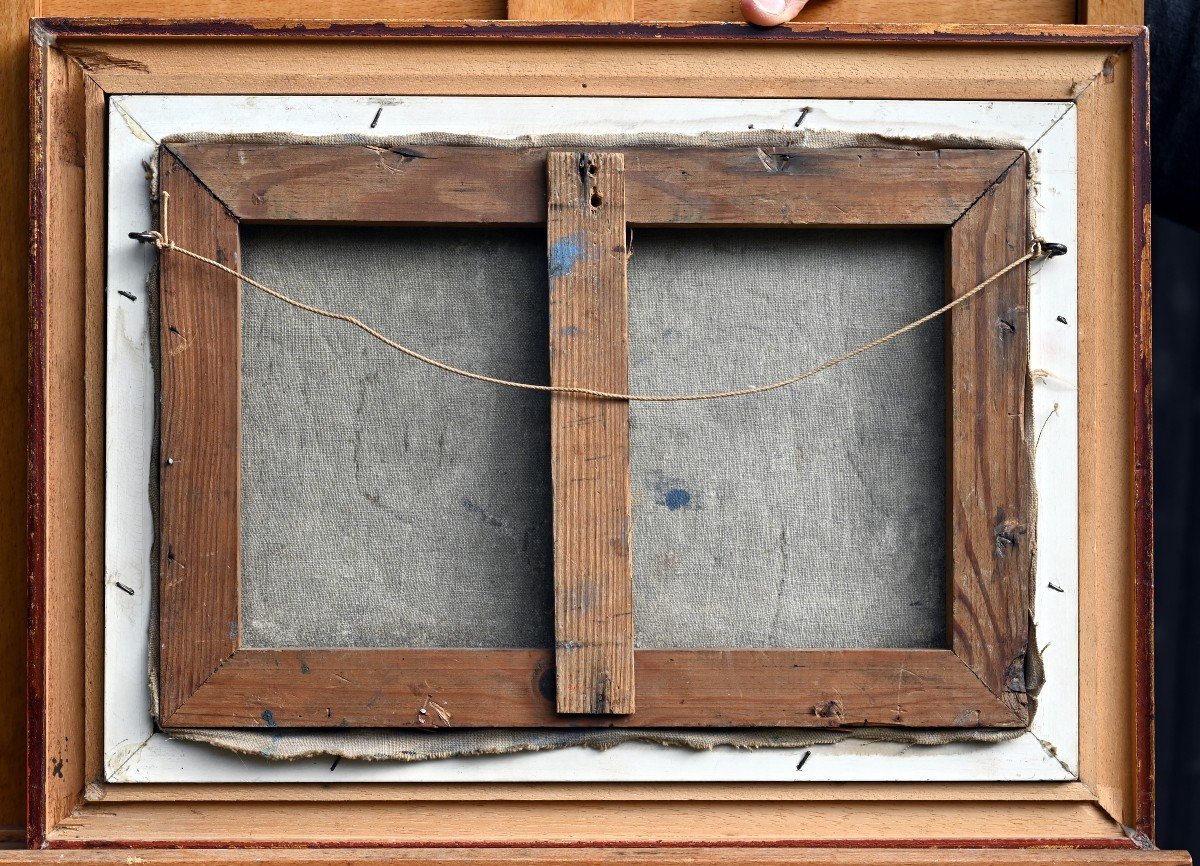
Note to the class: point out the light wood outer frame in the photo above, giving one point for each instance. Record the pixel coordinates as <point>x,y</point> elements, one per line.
<point>207,680</point>
<point>656,856</point>
<point>77,64</point>
<point>13,194</point>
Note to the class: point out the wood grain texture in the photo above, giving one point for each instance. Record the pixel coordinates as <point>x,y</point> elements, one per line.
<point>45,91</point>
<point>1012,35</point>
<point>1039,11</point>
<point>729,186</point>
<point>199,447</point>
<point>57,365</point>
<point>841,62</point>
<point>1111,12</point>
<point>657,856</point>
<point>1108,564</point>
<point>593,828</point>
<point>931,793</point>
<point>95,399</point>
<point>1141,312</point>
<point>296,10</point>
<point>991,503</point>
<point>843,11</point>
<point>570,10</point>
<point>14,391</point>
<point>1061,66</point>
<point>589,438</point>
<point>940,11</point>
<point>797,186</point>
<point>676,688</point>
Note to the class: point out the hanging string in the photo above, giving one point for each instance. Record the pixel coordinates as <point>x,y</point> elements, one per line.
<point>161,240</point>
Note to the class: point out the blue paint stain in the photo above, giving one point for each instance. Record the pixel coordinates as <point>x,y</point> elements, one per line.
<point>269,718</point>
<point>676,499</point>
<point>569,331</point>
<point>564,253</point>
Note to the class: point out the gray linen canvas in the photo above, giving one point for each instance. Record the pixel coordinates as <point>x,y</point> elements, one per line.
<point>810,517</point>
<point>385,503</point>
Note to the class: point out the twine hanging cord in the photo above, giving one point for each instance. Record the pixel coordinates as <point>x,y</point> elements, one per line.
<point>1037,250</point>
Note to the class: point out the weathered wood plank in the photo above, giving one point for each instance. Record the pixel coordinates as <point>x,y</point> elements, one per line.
<point>675,688</point>
<point>991,539</point>
<point>199,454</point>
<point>729,186</point>
<point>589,346</point>
<point>782,186</point>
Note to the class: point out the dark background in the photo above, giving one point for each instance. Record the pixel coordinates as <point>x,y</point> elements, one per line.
<point>1175,134</point>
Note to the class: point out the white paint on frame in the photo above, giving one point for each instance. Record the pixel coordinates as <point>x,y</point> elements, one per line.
<point>136,752</point>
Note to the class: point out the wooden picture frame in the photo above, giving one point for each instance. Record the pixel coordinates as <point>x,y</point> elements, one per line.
<point>208,680</point>
<point>1044,750</point>
<point>80,67</point>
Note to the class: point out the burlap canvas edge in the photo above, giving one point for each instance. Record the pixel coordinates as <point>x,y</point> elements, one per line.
<point>375,745</point>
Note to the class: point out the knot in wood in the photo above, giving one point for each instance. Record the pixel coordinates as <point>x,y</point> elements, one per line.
<point>829,710</point>
<point>1008,534</point>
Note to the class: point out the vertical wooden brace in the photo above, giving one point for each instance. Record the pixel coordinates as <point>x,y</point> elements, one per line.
<point>589,340</point>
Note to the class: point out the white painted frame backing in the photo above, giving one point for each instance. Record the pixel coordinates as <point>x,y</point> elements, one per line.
<point>136,752</point>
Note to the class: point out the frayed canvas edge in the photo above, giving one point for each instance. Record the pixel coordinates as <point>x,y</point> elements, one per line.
<point>403,747</point>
